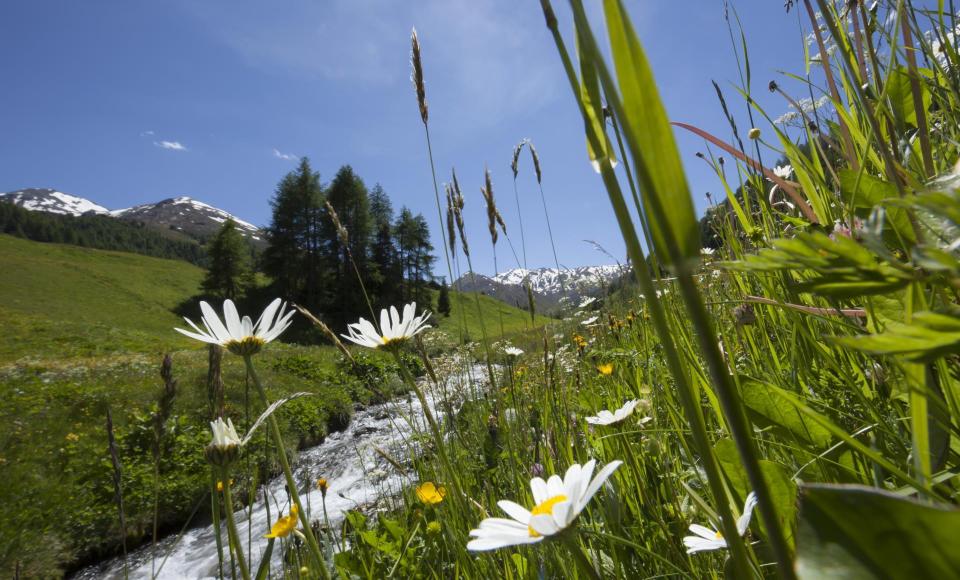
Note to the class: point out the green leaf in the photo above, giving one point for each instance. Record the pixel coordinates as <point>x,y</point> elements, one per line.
<point>900,95</point>
<point>851,532</point>
<point>593,105</point>
<point>929,336</point>
<point>783,491</point>
<point>864,191</point>
<point>656,158</point>
<point>837,267</point>
<point>768,410</point>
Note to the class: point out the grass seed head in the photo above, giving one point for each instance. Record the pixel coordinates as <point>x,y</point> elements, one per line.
<point>417,77</point>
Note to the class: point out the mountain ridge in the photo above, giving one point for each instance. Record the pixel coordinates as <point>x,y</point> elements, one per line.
<point>550,286</point>
<point>182,215</point>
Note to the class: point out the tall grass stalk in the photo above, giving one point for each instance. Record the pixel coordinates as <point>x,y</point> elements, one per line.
<point>658,316</point>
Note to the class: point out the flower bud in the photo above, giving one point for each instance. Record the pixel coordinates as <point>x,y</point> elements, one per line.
<point>754,134</point>
<point>225,447</point>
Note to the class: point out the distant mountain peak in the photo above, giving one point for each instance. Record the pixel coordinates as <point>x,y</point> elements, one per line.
<point>549,285</point>
<point>52,201</point>
<point>182,214</point>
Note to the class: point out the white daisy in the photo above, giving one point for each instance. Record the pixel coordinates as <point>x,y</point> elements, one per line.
<point>783,171</point>
<point>587,301</point>
<point>590,320</point>
<point>513,351</point>
<point>240,336</point>
<point>558,503</point>
<point>393,328</point>
<point>707,251</point>
<point>605,417</point>
<point>707,539</point>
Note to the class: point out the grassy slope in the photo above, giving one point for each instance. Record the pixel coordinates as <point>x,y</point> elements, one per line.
<point>69,301</point>
<point>60,301</point>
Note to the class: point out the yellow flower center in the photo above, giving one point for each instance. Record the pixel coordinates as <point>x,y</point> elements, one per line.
<point>718,535</point>
<point>544,508</point>
<point>249,345</point>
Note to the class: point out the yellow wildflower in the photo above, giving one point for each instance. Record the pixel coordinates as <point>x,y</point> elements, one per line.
<point>323,486</point>
<point>73,437</point>
<point>220,485</point>
<point>284,525</point>
<point>431,494</point>
<point>605,369</point>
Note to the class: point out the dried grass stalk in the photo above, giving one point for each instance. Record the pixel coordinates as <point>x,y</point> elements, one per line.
<point>417,77</point>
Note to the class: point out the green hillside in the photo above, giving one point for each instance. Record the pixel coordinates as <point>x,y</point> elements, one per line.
<point>60,301</point>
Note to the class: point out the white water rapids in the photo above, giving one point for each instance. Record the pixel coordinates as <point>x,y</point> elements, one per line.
<point>357,475</point>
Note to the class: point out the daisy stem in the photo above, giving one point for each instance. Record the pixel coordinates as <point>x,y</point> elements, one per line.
<point>216,518</point>
<point>235,545</point>
<point>583,562</point>
<point>431,420</point>
<point>288,475</point>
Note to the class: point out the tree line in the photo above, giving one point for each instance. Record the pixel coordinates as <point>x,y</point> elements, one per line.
<point>331,248</point>
<point>95,231</point>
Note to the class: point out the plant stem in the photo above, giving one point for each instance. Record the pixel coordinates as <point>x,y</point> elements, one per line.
<point>288,474</point>
<point>583,562</point>
<point>234,537</point>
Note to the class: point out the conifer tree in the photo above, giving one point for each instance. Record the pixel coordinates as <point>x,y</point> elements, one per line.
<point>228,275</point>
<point>443,299</point>
<point>347,195</point>
<point>293,258</point>
<point>385,275</point>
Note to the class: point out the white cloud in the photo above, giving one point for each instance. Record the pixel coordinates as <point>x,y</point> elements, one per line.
<point>147,133</point>
<point>285,156</point>
<point>172,145</point>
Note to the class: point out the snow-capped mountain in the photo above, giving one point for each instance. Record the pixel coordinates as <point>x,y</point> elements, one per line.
<point>190,216</point>
<point>549,285</point>
<point>52,201</point>
<point>181,216</point>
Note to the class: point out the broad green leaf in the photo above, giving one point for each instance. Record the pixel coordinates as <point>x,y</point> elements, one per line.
<point>656,158</point>
<point>782,488</point>
<point>930,335</point>
<point>900,95</point>
<point>851,532</point>
<point>864,191</point>
<point>593,105</point>
<point>768,410</point>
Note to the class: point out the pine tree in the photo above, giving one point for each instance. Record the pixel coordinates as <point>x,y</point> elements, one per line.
<point>415,254</point>
<point>384,272</point>
<point>347,195</point>
<point>443,300</point>
<point>229,271</point>
<point>293,258</point>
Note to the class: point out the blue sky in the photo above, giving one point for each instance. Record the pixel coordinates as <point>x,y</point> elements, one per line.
<point>128,102</point>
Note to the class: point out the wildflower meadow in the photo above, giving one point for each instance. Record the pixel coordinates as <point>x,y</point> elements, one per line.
<point>770,390</point>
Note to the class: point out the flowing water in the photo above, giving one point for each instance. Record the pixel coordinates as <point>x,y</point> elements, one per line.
<point>358,477</point>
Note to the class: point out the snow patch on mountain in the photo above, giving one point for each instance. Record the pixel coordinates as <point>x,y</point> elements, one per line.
<point>52,201</point>
<point>550,286</point>
<point>183,214</point>
<point>191,207</point>
<point>553,281</point>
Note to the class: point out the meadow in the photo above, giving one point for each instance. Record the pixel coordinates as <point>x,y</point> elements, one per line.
<point>774,393</point>
<point>85,331</point>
